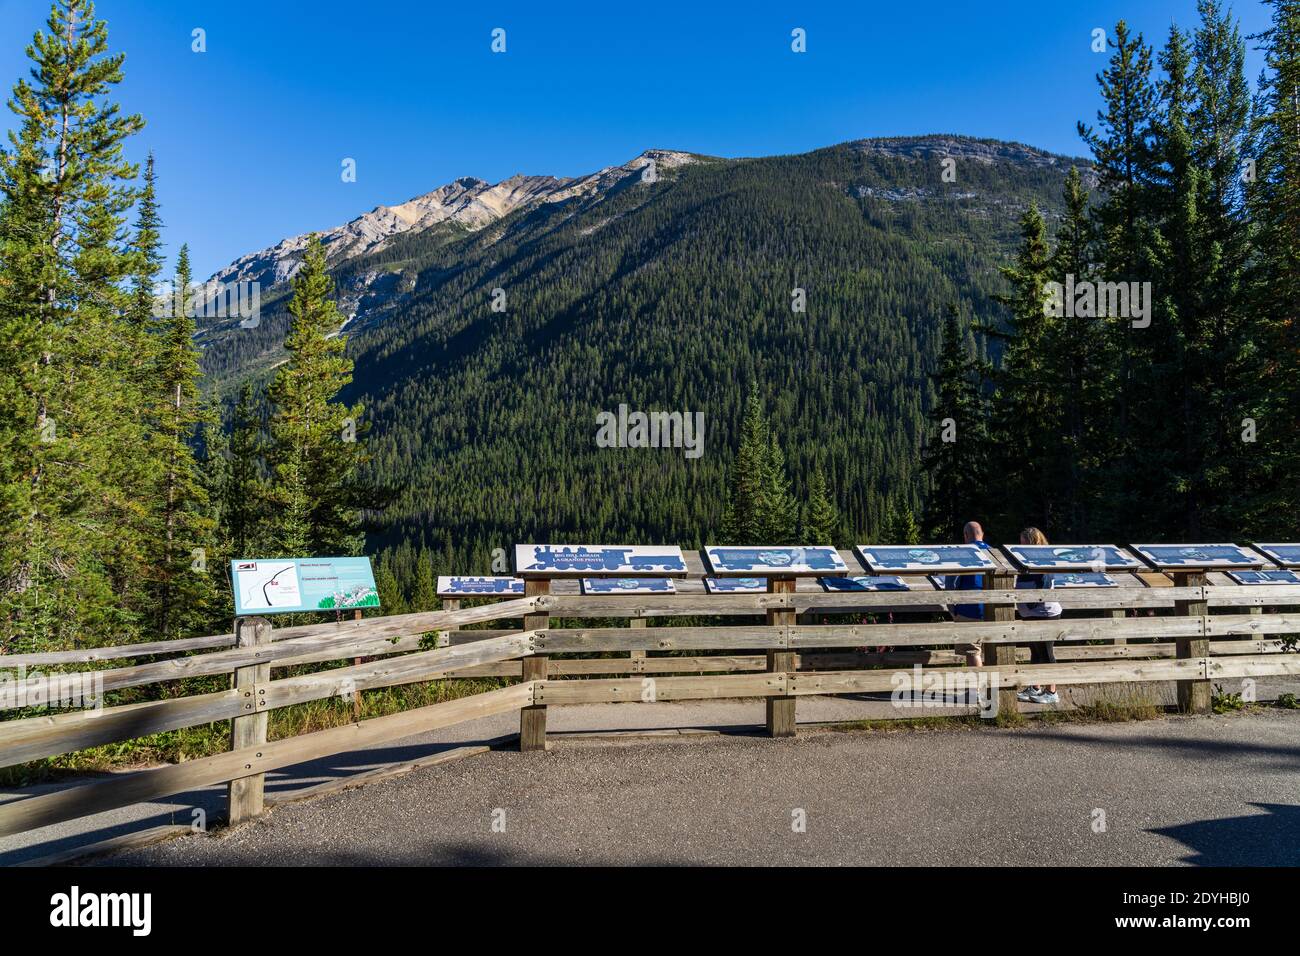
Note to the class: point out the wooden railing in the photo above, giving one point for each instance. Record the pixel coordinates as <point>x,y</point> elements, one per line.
<point>1206,638</point>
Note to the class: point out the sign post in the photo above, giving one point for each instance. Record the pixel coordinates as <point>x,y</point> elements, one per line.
<point>245,794</point>
<point>1001,655</point>
<point>1193,695</point>
<point>780,710</point>
<point>532,720</point>
<point>782,566</point>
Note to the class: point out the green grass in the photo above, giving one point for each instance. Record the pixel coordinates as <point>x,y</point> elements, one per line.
<point>1130,707</point>
<point>964,721</point>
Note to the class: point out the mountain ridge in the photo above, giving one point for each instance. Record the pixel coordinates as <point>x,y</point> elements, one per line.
<point>473,203</point>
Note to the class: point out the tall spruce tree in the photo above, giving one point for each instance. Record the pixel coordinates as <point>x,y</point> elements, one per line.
<point>1076,348</point>
<point>1168,463</point>
<point>1274,202</point>
<point>956,448</point>
<point>73,545</point>
<point>317,444</point>
<point>244,492</point>
<point>1124,160</point>
<point>760,508</point>
<point>184,594</point>
<point>1025,426</point>
<point>821,519</point>
<point>902,527</point>
<point>1219,124</point>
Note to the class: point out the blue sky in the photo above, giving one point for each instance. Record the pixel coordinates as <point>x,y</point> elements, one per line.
<point>250,135</point>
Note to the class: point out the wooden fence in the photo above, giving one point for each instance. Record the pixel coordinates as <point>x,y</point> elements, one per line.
<point>1191,632</point>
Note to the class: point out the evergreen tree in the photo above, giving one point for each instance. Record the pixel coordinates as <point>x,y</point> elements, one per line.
<point>1025,440</point>
<point>424,597</point>
<point>316,443</point>
<point>1168,464</point>
<point>72,538</point>
<point>780,515</point>
<point>956,445</point>
<point>760,507</point>
<point>1219,124</point>
<point>1077,355</point>
<point>244,491</point>
<point>1124,159</point>
<point>821,523</point>
<point>1274,202</point>
<point>183,594</point>
<point>902,527</point>
<point>390,593</point>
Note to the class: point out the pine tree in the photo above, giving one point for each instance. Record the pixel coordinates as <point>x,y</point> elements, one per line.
<point>1167,464</point>
<point>1124,160</point>
<point>244,491</point>
<point>1274,202</point>
<point>73,547</point>
<point>424,597</point>
<point>1025,428</point>
<point>741,522</point>
<point>822,523</point>
<point>956,445</point>
<point>183,594</point>
<point>390,594</point>
<point>760,507</point>
<point>317,444</point>
<point>1079,362</point>
<point>1219,124</point>
<point>901,526</point>
<point>780,517</point>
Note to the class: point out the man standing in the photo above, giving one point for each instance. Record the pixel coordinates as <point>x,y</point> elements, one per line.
<point>973,533</point>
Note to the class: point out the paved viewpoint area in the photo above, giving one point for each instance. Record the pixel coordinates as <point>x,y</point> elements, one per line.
<point>1201,791</point>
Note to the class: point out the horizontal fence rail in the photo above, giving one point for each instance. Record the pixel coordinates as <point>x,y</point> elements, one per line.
<point>1108,635</point>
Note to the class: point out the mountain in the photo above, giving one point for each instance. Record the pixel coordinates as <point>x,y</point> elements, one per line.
<point>664,292</point>
<point>466,202</point>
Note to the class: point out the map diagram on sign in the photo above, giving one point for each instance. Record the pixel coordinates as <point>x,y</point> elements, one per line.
<point>285,585</point>
<point>268,584</point>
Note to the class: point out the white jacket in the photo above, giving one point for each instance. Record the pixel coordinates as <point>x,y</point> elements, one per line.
<point>1039,609</point>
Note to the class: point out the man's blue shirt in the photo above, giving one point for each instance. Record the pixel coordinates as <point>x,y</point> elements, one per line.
<point>967,582</point>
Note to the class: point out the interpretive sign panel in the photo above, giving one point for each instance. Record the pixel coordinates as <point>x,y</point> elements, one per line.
<point>281,585</point>
<point>557,560</point>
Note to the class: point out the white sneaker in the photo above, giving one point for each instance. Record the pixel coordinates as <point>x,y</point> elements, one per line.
<point>1026,694</point>
<point>1045,697</point>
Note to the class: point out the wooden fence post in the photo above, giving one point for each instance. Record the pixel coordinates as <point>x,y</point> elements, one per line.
<point>1193,695</point>
<point>780,710</point>
<point>1001,655</point>
<point>532,720</point>
<point>245,794</point>
<point>1116,613</point>
<point>637,655</point>
<point>451,604</point>
<point>356,694</point>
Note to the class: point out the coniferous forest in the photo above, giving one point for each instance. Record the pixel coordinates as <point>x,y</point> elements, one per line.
<point>873,344</point>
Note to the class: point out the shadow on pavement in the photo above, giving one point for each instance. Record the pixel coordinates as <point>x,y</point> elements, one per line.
<point>1260,839</point>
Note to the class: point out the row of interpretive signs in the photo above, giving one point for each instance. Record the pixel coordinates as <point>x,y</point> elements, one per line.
<point>636,569</point>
